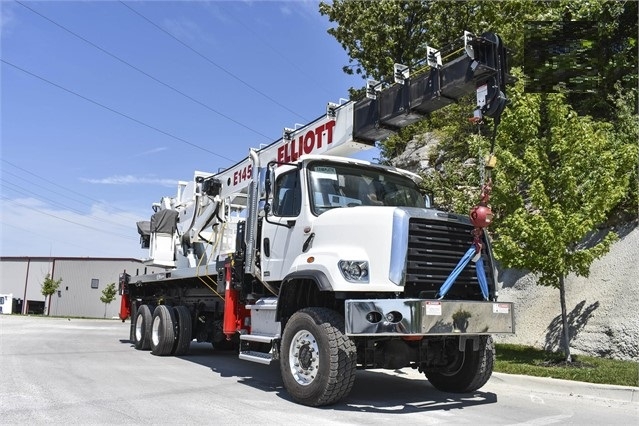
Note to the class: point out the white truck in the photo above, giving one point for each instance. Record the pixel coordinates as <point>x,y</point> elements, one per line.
<point>301,255</point>
<point>6,303</point>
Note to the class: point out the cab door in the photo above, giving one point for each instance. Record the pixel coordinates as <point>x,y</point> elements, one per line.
<point>282,233</point>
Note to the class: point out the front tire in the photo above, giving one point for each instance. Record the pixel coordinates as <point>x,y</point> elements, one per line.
<point>318,360</point>
<point>162,331</point>
<point>473,372</point>
<point>142,328</point>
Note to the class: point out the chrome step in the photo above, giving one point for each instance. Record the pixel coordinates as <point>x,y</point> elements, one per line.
<point>261,338</point>
<point>259,357</point>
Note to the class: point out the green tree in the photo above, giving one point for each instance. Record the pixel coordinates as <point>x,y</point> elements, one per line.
<point>560,176</point>
<point>399,35</point>
<point>375,35</point>
<point>48,287</point>
<point>108,296</point>
<point>588,47</point>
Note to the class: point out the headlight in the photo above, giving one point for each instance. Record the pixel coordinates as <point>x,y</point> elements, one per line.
<point>355,271</point>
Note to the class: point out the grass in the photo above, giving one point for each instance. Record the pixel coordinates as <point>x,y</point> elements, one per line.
<point>515,359</point>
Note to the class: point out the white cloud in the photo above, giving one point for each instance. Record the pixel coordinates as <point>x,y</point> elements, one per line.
<point>219,10</point>
<point>132,180</point>
<point>32,227</point>
<point>285,10</point>
<point>308,9</point>
<point>150,152</point>
<point>186,30</point>
<point>7,19</point>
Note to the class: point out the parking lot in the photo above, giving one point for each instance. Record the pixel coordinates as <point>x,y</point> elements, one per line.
<point>80,371</point>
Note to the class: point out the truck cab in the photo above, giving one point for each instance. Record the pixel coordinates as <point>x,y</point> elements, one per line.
<point>310,203</point>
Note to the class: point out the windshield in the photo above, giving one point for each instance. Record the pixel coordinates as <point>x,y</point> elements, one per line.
<point>335,185</point>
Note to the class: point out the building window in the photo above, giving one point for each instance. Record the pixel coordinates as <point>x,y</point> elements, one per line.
<point>95,282</point>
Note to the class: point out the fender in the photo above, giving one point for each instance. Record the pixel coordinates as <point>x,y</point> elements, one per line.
<point>320,278</point>
<point>321,281</point>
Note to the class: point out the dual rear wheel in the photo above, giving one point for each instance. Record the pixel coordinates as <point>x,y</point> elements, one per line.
<point>167,331</point>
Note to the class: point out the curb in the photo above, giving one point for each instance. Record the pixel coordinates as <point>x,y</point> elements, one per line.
<point>629,394</point>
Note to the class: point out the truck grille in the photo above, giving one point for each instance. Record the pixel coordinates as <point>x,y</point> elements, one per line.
<point>434,249</point>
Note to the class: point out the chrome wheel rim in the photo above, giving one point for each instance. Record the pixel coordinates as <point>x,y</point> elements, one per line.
<point>138,328</point>
<point>303,357</point>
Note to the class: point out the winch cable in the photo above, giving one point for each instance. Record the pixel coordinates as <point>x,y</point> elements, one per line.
<point>481,216</point>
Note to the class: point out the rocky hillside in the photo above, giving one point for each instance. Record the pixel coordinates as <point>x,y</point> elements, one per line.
<point>603,308</point>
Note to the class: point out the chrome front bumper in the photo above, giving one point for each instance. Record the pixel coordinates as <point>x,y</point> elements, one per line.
<point>406,317</point>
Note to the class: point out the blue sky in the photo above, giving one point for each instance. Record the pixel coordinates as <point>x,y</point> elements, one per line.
<point>105,105</point>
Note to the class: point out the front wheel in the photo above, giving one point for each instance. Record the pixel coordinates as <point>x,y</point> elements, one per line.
<point>471,373</point>
<point>317,360</point>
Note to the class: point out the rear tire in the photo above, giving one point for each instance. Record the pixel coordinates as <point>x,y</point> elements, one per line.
<point>183,329</point>
<point>317,359</point>
<point>162,333</point>
<point>142,328</point>
<point>474,371</point>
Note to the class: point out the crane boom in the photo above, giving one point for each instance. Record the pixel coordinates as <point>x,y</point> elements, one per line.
<point>354,126</point>
<point>351,127</point>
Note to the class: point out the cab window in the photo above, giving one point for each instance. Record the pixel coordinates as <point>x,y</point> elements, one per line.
<point>338,185</point>
<point>287,200</point>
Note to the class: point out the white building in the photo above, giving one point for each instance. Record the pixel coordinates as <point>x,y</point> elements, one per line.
<point>83,280</point>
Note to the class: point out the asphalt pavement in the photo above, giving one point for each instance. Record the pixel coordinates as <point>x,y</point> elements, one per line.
<point>79,371</point>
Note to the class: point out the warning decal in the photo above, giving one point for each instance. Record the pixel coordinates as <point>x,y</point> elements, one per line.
<point>501,308</point>
<point>433,308</point>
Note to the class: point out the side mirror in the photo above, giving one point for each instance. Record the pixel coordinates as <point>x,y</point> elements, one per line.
<point>428,201</point>
<point>261,175</point>
<point>268,179</point>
